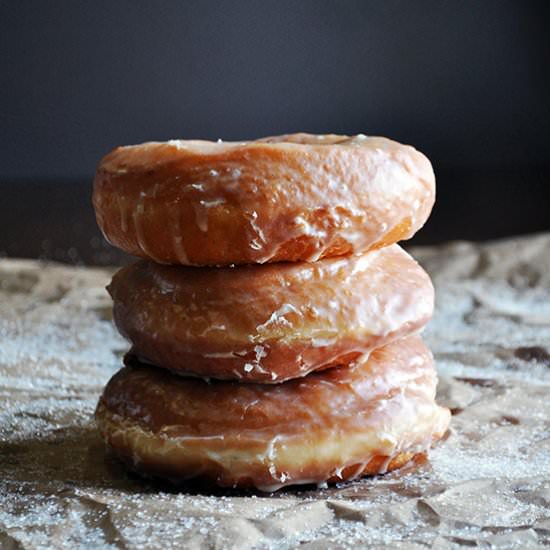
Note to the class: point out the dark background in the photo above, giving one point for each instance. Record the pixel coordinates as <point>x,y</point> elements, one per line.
<point>466,82</point>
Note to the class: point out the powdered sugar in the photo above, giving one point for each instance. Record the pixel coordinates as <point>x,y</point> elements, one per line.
<point>486,484</point>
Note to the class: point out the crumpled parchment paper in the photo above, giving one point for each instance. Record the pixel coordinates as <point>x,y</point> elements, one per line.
<point>487,484</point>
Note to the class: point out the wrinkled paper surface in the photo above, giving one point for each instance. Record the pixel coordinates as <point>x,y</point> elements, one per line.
<point>487,484</point>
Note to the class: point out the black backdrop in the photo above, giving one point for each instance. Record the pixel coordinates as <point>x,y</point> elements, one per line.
<point>467,82</point>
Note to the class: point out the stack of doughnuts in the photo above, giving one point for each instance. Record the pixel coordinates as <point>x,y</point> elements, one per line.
<point>273,320</point>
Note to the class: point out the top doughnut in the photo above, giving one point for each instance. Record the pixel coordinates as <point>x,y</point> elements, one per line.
<point>297,197</point>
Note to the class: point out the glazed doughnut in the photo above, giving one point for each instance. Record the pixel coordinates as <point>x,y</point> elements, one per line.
<point>336,425</point>
<point>270,323</point>
<point>288,198</point>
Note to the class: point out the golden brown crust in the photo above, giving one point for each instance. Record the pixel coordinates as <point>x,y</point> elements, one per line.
<point>270,323</point>
<point>334,425</point>
<point>287,198</point>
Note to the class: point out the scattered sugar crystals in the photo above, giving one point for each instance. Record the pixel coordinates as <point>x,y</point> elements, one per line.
<point>487,484</point>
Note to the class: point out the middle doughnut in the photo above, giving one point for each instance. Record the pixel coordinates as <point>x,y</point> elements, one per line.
<point>270,323</point>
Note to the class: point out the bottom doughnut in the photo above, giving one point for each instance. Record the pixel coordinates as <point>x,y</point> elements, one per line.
<point>334,425</point>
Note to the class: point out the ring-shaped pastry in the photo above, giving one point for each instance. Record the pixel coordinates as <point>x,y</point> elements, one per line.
<point>270,323</point>
<point>339,424</point>
<point>297,197</point>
